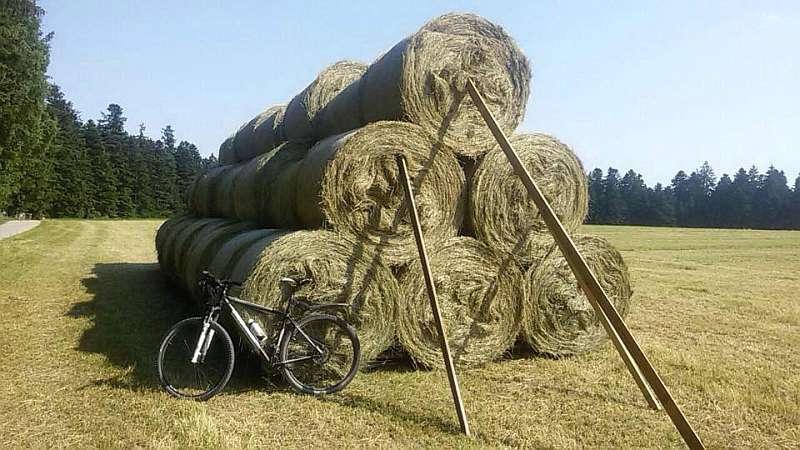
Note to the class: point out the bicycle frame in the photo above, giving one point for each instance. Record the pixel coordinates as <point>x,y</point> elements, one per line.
<point>207,333</point>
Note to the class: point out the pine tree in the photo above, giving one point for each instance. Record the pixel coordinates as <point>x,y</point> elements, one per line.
<point>25,124</point>
<point>71,162</point>
<point>166,182</point>
<point>103,186</point>
<point>635,196</point>
<point>188,164</point>
<point>614,204</point>
<point>121,151</point>
<point>596,201</point>
<point>773,198</point>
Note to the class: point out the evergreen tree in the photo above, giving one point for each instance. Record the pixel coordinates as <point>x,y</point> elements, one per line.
<point>188,164</point>
<point>614,204</point>
<point>166,181</point>
<point>596,200</point>
<point>773,199</point>
<point>121,151</point>
<point>25,125</point>
<point>661,206</point>
<point>683,198</point>
<point>795,210</point>
<point>144,168</point>
<point>635,196</point>
<point>71,162</point>
<point>103,186</point>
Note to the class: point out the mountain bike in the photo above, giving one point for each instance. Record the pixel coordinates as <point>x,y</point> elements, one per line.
<point>317,354</point>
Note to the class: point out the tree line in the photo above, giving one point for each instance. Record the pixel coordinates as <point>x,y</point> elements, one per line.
<point>749,199</point>
<point>54,164</point>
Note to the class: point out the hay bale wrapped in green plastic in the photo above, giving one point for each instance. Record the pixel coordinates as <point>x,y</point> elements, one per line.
<point>480,299</point>
<point>558,320</point>
<point>422,80</point>
<point>501,213</point>
<point>342,270</point>
<point>298,121</point>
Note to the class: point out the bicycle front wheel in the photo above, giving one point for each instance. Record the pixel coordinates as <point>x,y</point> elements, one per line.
<point>321,355</point>
<point>199,380</point>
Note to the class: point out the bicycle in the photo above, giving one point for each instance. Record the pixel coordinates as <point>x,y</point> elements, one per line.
<point>317,354</point>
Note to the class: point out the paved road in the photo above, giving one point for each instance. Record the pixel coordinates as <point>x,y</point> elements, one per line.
<point>13,227</point>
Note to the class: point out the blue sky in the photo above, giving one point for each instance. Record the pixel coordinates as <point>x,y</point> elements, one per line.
<point>653,86</point>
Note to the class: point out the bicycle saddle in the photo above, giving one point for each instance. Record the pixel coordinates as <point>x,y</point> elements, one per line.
<point>294,283</point>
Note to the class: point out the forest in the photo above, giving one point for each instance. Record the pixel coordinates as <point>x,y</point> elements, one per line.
<point>55,164</point>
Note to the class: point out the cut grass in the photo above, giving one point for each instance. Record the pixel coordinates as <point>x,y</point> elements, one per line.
<point>84,308</point>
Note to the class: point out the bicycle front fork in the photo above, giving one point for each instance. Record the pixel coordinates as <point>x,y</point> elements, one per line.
<point>203,343</point>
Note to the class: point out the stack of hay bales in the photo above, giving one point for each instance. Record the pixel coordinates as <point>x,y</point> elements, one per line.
<point>311,189</point>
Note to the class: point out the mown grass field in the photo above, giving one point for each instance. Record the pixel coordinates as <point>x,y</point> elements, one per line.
<point>84,308</point>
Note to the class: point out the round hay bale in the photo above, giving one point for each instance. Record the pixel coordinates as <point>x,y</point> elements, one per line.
<point>165,239</point>
<point>275,186</point>
<point>203,249</point>
<point>166,256</point>
<point>351,183</point>
<point>204,192</point>
<point>245,197</point>
<point>302,110</point>
<point>422,80</point>
<point>243,266</point>
<point>558,320</point>
<point>228,255</point>
<point>226,153</point>
<point>342,272</point>
<point>184,240</point>
<point>222,194</point>
<point>260,134</point>
<point>480,300</point>
<point>501,213</point>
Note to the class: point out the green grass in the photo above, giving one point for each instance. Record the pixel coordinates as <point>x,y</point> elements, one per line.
<point>84,308</point>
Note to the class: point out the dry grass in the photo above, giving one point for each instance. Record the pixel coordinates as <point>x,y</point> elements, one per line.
<point>84,307</point>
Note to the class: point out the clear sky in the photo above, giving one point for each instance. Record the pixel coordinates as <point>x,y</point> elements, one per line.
<point>653,86</point>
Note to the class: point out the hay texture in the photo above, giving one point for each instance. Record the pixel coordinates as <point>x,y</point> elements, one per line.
<point>359,188</point>
<point>558,320</point>
<point>347,182</point>
<point>298,121</point>
<point>202,251</point>
<point>422,80</point>
<point>501,213</point>
<point>229,253</point>
<point>226,153</point>
<point>342,272</point>
<point>480,299</point>
<point>257,136</point>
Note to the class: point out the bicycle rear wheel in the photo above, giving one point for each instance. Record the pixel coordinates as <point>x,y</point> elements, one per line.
<point>197,381</point>
<point>321,355</point>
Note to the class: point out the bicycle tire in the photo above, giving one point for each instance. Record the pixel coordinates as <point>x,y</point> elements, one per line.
<point>220,352</point>
<point>341,364</point>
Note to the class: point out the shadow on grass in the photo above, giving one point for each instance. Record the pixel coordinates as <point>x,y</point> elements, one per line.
<point>132,308</point>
